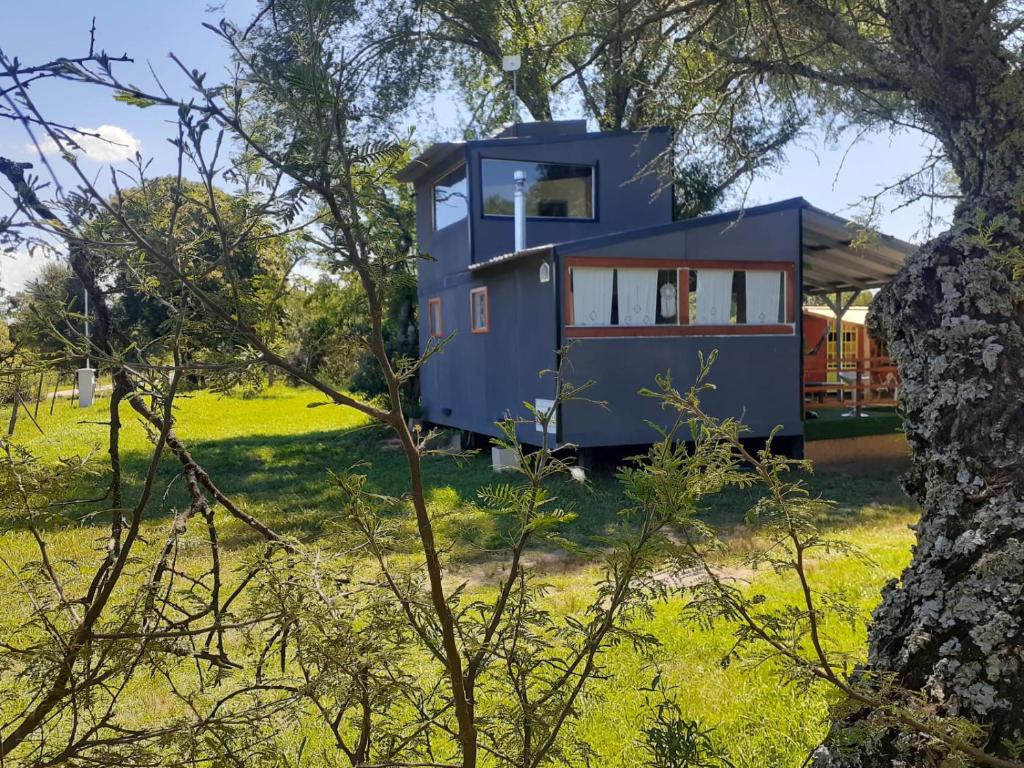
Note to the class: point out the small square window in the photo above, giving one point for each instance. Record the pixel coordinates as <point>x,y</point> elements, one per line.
<point>479,311</point>
<point>434,321</point>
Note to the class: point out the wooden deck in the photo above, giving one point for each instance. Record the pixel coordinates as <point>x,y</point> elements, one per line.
<point>854,383</point>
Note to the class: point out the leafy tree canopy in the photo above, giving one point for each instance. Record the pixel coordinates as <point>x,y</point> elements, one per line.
<point>625,65</point>
<point>225,249</point>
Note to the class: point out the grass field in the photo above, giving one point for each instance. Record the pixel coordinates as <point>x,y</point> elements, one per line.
<point>273,453</point>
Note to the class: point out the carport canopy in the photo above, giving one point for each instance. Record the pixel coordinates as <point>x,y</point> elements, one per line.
<point>838,259</point>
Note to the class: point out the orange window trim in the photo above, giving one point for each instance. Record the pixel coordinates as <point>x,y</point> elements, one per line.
<point>684,327</point>
<point>639,331</point>
<point>486,327</point>
<point>437,332</point>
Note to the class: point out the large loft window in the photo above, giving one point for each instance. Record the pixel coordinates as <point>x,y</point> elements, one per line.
<point>687,298</point>
<point>553,190</point>
<point>451,197</point>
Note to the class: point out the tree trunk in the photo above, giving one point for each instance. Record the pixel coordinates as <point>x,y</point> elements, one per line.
<point>952,627</point>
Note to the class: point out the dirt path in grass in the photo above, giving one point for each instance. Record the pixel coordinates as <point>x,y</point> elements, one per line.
<point>549,563</point>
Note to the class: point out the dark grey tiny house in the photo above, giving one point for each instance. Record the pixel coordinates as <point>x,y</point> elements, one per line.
<point>605,266</point>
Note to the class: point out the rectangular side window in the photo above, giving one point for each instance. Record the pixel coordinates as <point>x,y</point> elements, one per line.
<point>658,298</point>
<point>451,198</point>
<point>625,296</point>
<point>592,295</point>
<point>765,297</point>
<point>715,300</point>
<point>737,297</point>
<point>553,190</point>
<point>434,322</point>
<point>479,311</point>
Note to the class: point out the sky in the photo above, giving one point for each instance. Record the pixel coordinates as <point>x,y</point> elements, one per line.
<point>835,177</point>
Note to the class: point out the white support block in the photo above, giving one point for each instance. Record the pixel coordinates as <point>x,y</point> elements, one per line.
<point>503,459</point>
<point>455,441</point>
<point>86,387</point>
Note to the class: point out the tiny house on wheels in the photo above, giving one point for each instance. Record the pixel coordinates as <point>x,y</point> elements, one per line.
<point>548,234</point>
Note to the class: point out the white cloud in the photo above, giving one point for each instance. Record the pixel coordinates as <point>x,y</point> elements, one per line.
<point>18,268</point>
<point>110,144</point>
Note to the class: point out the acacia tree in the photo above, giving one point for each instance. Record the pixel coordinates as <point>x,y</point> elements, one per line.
<point>401,667</point>
<point>949,630</point>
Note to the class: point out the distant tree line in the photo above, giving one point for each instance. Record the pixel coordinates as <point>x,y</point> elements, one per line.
<point>316,320</point>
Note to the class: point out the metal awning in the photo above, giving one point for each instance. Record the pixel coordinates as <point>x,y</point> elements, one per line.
<point>505,258</point>
<point>434,155</point>
<point>833,262</point>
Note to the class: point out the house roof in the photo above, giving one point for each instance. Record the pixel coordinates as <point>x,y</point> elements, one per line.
<point>836,255</point>
<point>505,258</point>
<point>540,132</point>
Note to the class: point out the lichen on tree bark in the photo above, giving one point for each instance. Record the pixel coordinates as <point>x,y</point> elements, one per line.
<point>951,627</point>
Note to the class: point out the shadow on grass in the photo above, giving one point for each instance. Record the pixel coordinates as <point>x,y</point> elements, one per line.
<point>833,424</point>
<point>285,481</point>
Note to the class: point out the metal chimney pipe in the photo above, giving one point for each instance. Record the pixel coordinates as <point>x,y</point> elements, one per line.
<point>519,209</point>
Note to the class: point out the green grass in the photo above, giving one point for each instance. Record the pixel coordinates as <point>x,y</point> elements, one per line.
<point>273,454</point>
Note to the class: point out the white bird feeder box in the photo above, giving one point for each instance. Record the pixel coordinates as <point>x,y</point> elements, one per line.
<point>86,375</point>
<point>86,386</point>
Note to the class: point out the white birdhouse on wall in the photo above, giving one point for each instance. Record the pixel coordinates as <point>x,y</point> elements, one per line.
<point>545,272</point>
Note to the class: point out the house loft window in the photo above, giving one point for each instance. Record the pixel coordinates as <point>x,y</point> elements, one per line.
<point>553,190</point>
<point>479,312</point>
<point>451,196</point>
<point>686,295</point>
<point>434,321</point>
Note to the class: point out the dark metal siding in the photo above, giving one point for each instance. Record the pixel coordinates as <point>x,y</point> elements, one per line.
<point>757,377</point>
<point>442,275</point>
<point>448,248</point>
<point>622,201</point>
<point>481,376</point>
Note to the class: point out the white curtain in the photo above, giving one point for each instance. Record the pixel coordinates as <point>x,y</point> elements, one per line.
<point>592,295</point>
<point>714,296</point>
<point>638,296</point>
<point>764,297</point>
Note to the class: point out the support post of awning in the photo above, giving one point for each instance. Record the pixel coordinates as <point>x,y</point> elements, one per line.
<point>839,308</point>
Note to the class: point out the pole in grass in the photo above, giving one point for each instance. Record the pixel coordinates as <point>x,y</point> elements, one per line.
<point>86,375</point>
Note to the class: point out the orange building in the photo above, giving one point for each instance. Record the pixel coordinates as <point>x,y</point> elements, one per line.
<point>860,352</point>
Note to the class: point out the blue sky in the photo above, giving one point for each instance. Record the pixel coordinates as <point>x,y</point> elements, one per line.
<point>834,177</point>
